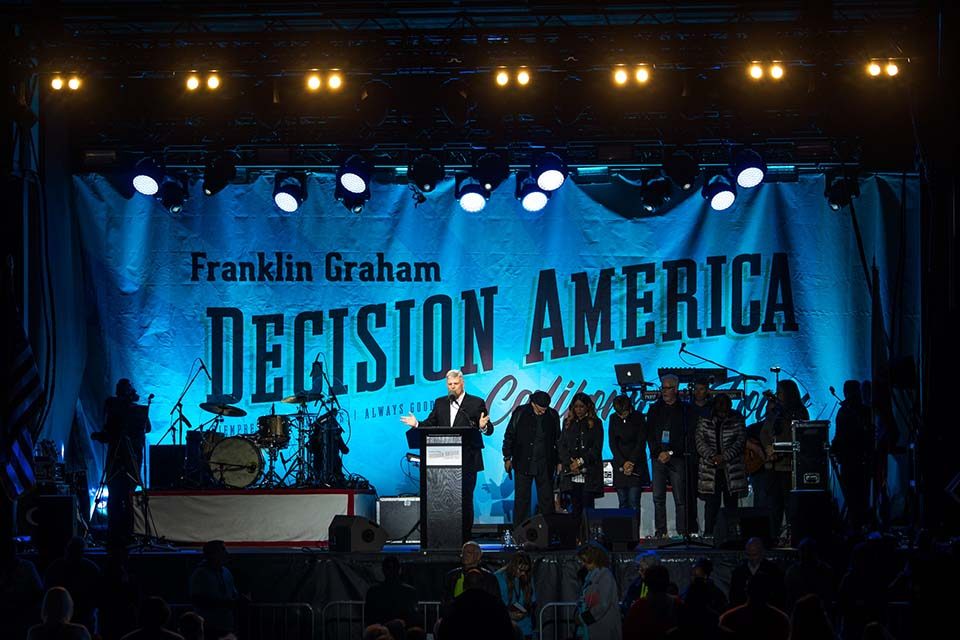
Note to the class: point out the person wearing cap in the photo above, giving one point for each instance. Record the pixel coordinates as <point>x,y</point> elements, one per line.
<point>530,454</point>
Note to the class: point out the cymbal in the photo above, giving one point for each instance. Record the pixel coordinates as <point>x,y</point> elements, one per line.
<point>303,398</point>
<point>227,410</point>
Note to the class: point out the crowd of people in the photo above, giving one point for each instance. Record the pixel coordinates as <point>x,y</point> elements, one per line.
<point>805,599</point>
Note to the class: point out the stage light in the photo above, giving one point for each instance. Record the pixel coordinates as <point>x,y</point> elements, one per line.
<point>682,169</point>
<point>220,169</point>
<point>193,83</point>
<point>841,188</point>
<point>74,83</point>
<point>173,193</point>
<point>503,78</point>
<point>523,77</point>
<point>892,69</point>
<point>213,82</point>
<point>549,171</point>
<point>354,175</point>
<point>531,197</point>
<point>756,71</point>
<point>620,76</point>
<point>470,193</point>
<point>490,170</point>
<point>426,172</point>
<point>57,83</point>
<point>874,69</point>
<point>147,176</point>
<point>313,82</point>
<point>353,202</point>
<point>335,81</point>
<point>456,102</point>
<point>289,191</point>
<point>749,168</point>
<point>719,192</point>
<point>376,99</point>
<point>642,75</point>
<point>776,71</point>
<point>655,193</point>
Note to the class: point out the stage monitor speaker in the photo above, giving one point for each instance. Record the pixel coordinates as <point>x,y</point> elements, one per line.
<point>811,459</point>
<point>553,531</point>
<point>166,465</point>
<point>616,529</point>
<point>49,520</point>
<point>400,516</point>
<point>355,533</point>
<point>811,515</point>
<point>736,525</point>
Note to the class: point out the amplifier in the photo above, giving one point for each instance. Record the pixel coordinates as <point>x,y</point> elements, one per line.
<point>811,455</point>
<point>400,516</point>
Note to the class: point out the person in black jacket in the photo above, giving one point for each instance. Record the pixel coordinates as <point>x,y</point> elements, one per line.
<point>853,447</point>
<point>628,443</point>
<point>469,575</point>
<point>391,599</point>
<point>530,452</point>
<point>460,409</point>
<point>670,433</point>
<point>581,454</point>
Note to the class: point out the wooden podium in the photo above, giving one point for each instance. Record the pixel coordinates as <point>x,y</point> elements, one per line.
<point>441,483</point>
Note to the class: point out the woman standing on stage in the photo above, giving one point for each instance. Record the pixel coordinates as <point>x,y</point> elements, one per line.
<point>581,454</point>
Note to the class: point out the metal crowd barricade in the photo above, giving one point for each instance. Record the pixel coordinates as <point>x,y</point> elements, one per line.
<point>340,625</point>
<point>266,620</point>
<point>557,620</point>
<point>431,613</point>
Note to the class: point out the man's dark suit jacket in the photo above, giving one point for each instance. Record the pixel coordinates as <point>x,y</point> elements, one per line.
<point>467,416</point>
<point>520,433</point>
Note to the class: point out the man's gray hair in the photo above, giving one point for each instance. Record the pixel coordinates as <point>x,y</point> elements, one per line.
<point>669,376</point>
<point>454,373</point>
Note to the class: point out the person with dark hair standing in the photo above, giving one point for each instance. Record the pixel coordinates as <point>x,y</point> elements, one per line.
<point>670,434</point>
<point>213,592</point>
<point>774,484</point>
<point>581,454</point>
<point>756,618</point>
<point>653,617</point>
<point>125,424</point>
<point>720,440</point>
<point>460,409</point>
<point>628,443</point>
<point>853,449</point>
<point>391,599</point>
<point>530,454</point>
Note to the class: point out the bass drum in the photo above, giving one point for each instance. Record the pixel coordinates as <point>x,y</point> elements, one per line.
<point>236,463</point>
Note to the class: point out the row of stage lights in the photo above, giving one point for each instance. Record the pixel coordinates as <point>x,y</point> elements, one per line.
<point>473,189</point>
<point>522,77</point>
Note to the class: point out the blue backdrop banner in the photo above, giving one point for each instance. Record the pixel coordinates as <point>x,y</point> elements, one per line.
<point>389,300</point>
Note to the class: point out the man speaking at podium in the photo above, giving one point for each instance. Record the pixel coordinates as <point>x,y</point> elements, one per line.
<point>460,409</point>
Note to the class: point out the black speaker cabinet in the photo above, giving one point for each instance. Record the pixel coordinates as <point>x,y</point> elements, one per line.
<point>553,531</point>
<point>810,516</point>
<point>617,529</point>
<point>811,457</point>
<point>736,525</point>
<point>166,465</point>
<point>355,533</point>
<point>49,520</point>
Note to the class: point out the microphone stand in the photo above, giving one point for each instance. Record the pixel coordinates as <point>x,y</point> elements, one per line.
<point>176,427</point>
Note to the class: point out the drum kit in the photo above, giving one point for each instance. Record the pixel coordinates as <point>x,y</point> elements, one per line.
<point>237,462</point>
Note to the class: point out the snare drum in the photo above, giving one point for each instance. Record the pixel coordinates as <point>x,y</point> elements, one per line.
<point>273,431</point>
<point>236,462</point>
